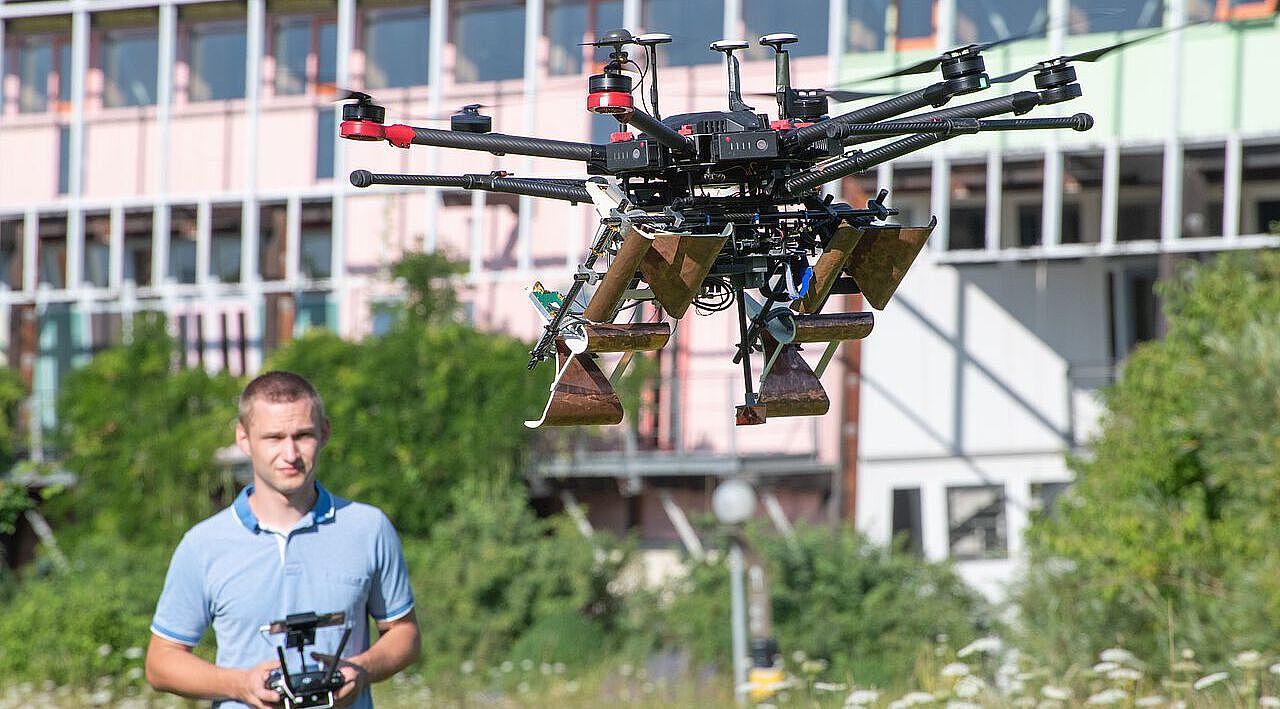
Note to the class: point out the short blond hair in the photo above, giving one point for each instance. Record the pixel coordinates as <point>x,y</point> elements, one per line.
<point>279,387</point>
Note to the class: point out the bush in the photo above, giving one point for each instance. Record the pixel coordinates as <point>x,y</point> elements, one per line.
<point>76,626</point>
<point>835,596</point>
<point>493,573</point>
<point>1165,537</point>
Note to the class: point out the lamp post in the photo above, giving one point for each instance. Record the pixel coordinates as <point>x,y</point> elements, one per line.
<point>734,501</point>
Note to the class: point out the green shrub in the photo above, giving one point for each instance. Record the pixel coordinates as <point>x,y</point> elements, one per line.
<point>76,626</point>
<point>569,637</point>
<point>493,573</point>
<point>837,597</point>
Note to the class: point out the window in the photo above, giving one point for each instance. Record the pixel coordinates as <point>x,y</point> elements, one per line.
<point>1045,495</point>
<point>217,56</point>
<point>137,247</point>
<point>395,47</point>
<point>807,19</point>
<point>35,69</point>
<point>489,39</point>
<point>64,159</point>
<point>312,311</point>
<point>976,522</point>
<point>867,20</point>
<point>316,244</point>
<point>182,244</point>
<point>97,250</point>
<point>1202,176</point>
<point>1260,189</point>
<point>292,45</point>
<point>1138,210</point>
<point>1085,16</point>
<point>968,218</point>
<point>915,24</point>
<point>295,40</point>
<point>326,129</point>
<point>51,258</point>
<point>908,531</point>
<point>11,253</point>
<point>273,225</point>
<point>910,194</point>
<point>693,26</point>
<point>987,21</point>
<point>224,244</point>
<point>1138,314</point>
<point>129,66</point>
<point>569,22</point>
<point>1081,198</point>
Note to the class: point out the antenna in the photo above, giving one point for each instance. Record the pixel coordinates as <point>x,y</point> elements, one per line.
<point>650,42</point>
<point>781,67</point>
<point>729,46</point>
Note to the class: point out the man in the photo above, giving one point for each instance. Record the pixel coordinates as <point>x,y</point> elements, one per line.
<point>286,545</point>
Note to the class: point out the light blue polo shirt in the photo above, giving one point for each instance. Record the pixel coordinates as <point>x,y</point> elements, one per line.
<point>230,572</point>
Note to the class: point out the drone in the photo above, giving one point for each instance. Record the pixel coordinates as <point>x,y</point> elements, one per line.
<point>722,209</point>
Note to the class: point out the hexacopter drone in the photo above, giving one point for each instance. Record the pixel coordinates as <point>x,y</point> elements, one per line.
<point>706,208</point>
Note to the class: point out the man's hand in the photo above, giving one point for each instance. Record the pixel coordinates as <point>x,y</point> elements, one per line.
<point>355,679</point>
<point>252,687</point>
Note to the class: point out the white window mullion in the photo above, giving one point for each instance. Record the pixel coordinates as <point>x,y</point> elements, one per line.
<point>1231,178</point>
<point>30,248</point>
<point>293,239</point>
<point>1110,192</point>
<point>995,178</point>
<point>435,98</point>
<point>167,42</point>
<point>115,248</point>
<point>253,72</point>
<point>204,242</point>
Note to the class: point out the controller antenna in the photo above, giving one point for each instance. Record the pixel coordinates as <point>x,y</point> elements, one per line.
<point>781,67</point>
<point>650,43</point>
<point>729,46</point>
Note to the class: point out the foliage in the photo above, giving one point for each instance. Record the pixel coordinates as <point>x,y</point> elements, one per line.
<point>835,596</point>
<point>492,572</point>
<point>141,435</point>
<point>74,627</point>
<point>422,408</point>
<point>1164,540</point>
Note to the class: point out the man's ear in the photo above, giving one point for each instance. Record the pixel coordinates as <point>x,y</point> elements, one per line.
<point>242,437</point>
<point>324,431</point>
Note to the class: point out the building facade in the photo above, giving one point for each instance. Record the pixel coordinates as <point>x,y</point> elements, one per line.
<point>182,156</point>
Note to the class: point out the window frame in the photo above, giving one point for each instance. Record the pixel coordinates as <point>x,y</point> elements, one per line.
<point>54,80</point>
<point>100,43</point>
<point>985,555</point>
<point>187,31</point>
<point>456,8</point>
<point>910,44</point>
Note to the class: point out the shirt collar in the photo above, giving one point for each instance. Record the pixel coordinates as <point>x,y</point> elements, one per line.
<point>322,511</point>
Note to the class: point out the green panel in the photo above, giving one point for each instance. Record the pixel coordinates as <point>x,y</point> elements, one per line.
<point>1259,98</point>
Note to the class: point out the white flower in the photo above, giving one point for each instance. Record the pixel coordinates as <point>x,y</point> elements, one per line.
<point>955,669</point>
<point>134,673</point>
<point>987,646</point>
<point>829,687</point>
<point>969,687</point>
<point>1061,694</point>
<point>572,686</point>
<point>468,667</point>
<point>1124,674</point>
<point>1118,655</point>
<point>134,653</point>
<point>558,668</point>
<point>1275,669</point>
<point>1108,696</point>
<point>1249,659</point>
<point>100,697</point>
<point>626,669</point>
<point>963,705</point>
<point>1209,680</point>
<point>545,668</point>
<point>507,666</point>
<point>526,664</point>
<point>1151,700</point>
<point>523,688</point>
<point>1104,667</point>
<point>860,697</point>
<point>799,656</point>
<point>914,698</point>
<point>104,650</point>
<point>1268,701</point>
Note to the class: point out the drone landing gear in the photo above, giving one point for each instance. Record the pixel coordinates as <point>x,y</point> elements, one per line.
<point>581,394</point>
<point>676,265</point>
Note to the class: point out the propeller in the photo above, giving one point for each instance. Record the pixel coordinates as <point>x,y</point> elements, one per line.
<point>341,93</point>
<point>1091,55</point>
<point>926,66</point>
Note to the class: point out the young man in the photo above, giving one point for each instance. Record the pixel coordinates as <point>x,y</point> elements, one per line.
<point>286,545</point>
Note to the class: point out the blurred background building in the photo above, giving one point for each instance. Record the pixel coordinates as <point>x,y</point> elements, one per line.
<point>182,156</point>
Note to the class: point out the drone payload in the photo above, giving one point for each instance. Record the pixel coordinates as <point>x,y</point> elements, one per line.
<point>718,209</point>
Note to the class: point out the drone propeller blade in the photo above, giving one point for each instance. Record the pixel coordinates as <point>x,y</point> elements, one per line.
<point>341,93</point>
<point>1092,55</point>
<point>447,116</point>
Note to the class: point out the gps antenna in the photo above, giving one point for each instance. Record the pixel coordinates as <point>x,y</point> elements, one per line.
<point>650,43</point>
<point>337,655</point>
<point>729,46</point>
<point>781,67</point>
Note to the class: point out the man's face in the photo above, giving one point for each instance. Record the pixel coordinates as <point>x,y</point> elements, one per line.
<point>282,441</point>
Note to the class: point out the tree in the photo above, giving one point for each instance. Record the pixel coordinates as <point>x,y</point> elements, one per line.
<point>418,410</point>
<point>1166,533</point>
<point>141,434</point>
